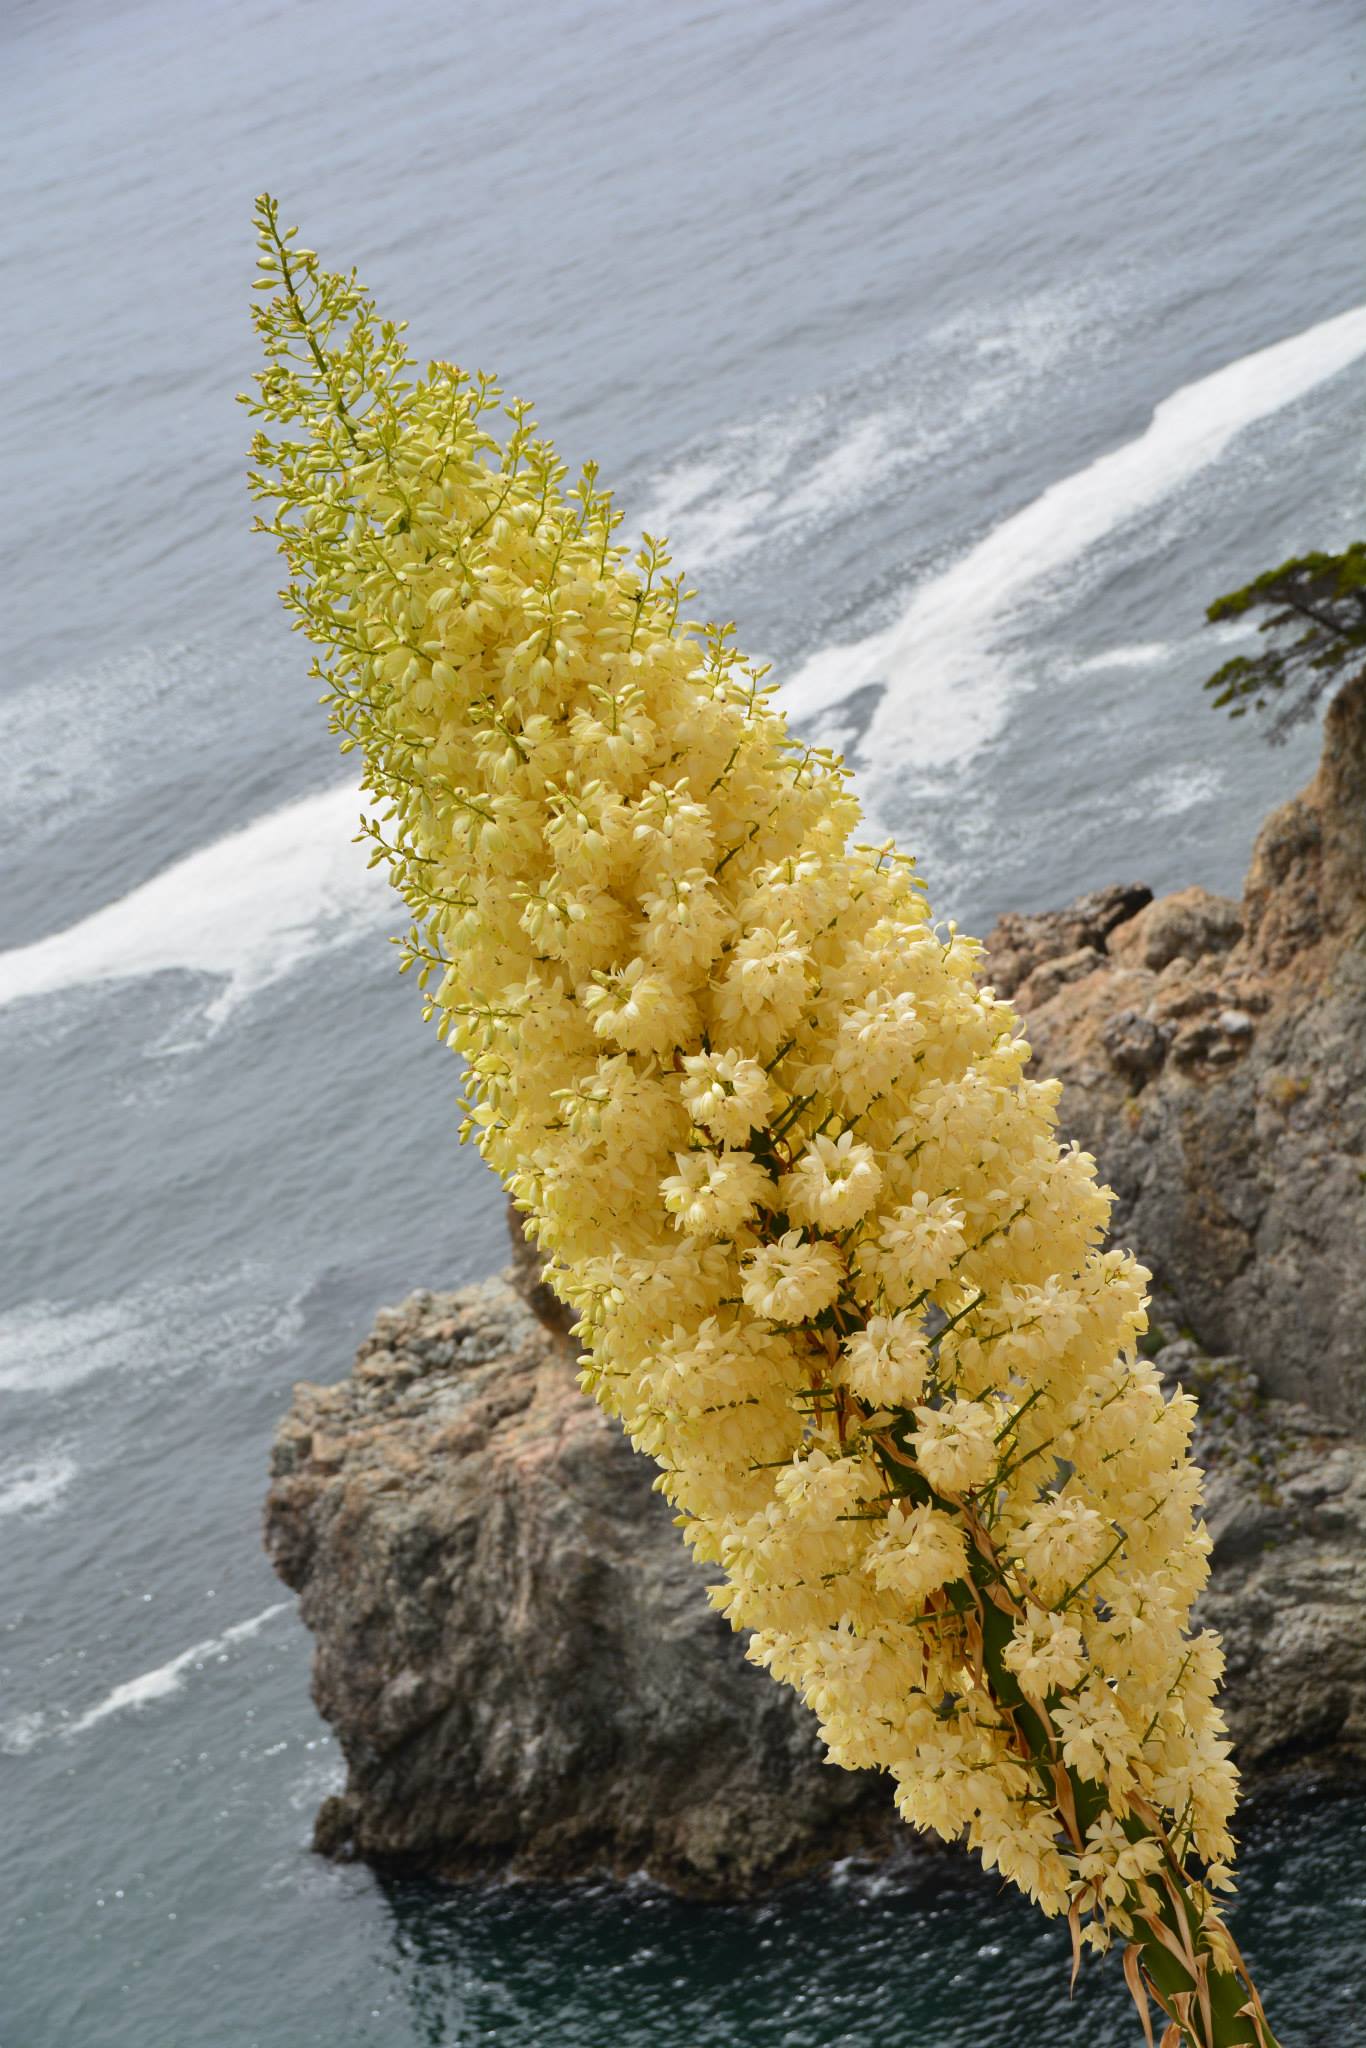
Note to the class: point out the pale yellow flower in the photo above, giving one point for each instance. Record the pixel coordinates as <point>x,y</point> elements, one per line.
<point>712,1194</point>
<point>955,1445</point>
<point>1063,1541</point>
<point>638,1007</point>
<point>793,1279</point>
<point>727,1094</point>
<point>1045,1652</point>
<point>833,1184</point>
<point>915,1247</point>
<point>887,1361</point>
<point>917,1554</point>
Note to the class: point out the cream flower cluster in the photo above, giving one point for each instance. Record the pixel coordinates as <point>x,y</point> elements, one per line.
<point>778,1144</point>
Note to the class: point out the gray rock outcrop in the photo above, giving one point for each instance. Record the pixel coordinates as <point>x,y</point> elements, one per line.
<point>1285,1504</point>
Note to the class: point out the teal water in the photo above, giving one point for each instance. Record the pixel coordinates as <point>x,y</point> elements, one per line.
<point>965,352</point>
<point>231,1940</point>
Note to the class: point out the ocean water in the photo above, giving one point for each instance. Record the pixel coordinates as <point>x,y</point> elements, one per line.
<point>965,352</point>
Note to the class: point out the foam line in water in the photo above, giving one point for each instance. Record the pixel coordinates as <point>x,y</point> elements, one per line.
<point>252,907</point>
<point>36,1484</point>
<point>45,1348</point>
<point>769,483</point>
<point>169,1678</point>
<point>236,1317</point>
<point>21,1733</point>
<point>945,687</point>
<point>246,910</point>
<point>1143,654</point>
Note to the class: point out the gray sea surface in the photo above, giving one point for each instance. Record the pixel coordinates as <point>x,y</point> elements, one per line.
<point>965,351</point>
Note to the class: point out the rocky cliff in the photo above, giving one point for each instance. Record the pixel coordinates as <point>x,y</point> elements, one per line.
<point>513,1645</point>
<point>1213,1055</point>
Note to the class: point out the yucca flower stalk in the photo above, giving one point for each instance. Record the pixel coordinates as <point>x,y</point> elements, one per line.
<point>834,1272</point>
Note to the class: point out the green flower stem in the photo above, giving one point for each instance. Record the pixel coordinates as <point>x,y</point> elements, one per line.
<point>1223,2018</point>
<point>1229,2013</point>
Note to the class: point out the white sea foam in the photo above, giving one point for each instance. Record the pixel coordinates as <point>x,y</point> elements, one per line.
<point>254,906</point>
<point>140,1692</point>
<point>36,1484</point>
<point>716,507</point>
<point>70,738</point>
<point>822,457</point>
<point>325,1774</point>
<point>946,685</point>
<point>1144,654</point>
<point>44,1347</point>
<point>1173,790</point>
<point>22,1733</point>
<point>47,1347</point>
<point>246,910</point>
<point>1230,630</point>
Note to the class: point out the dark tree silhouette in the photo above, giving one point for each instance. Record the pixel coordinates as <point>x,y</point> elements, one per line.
<point>1316,617</point>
